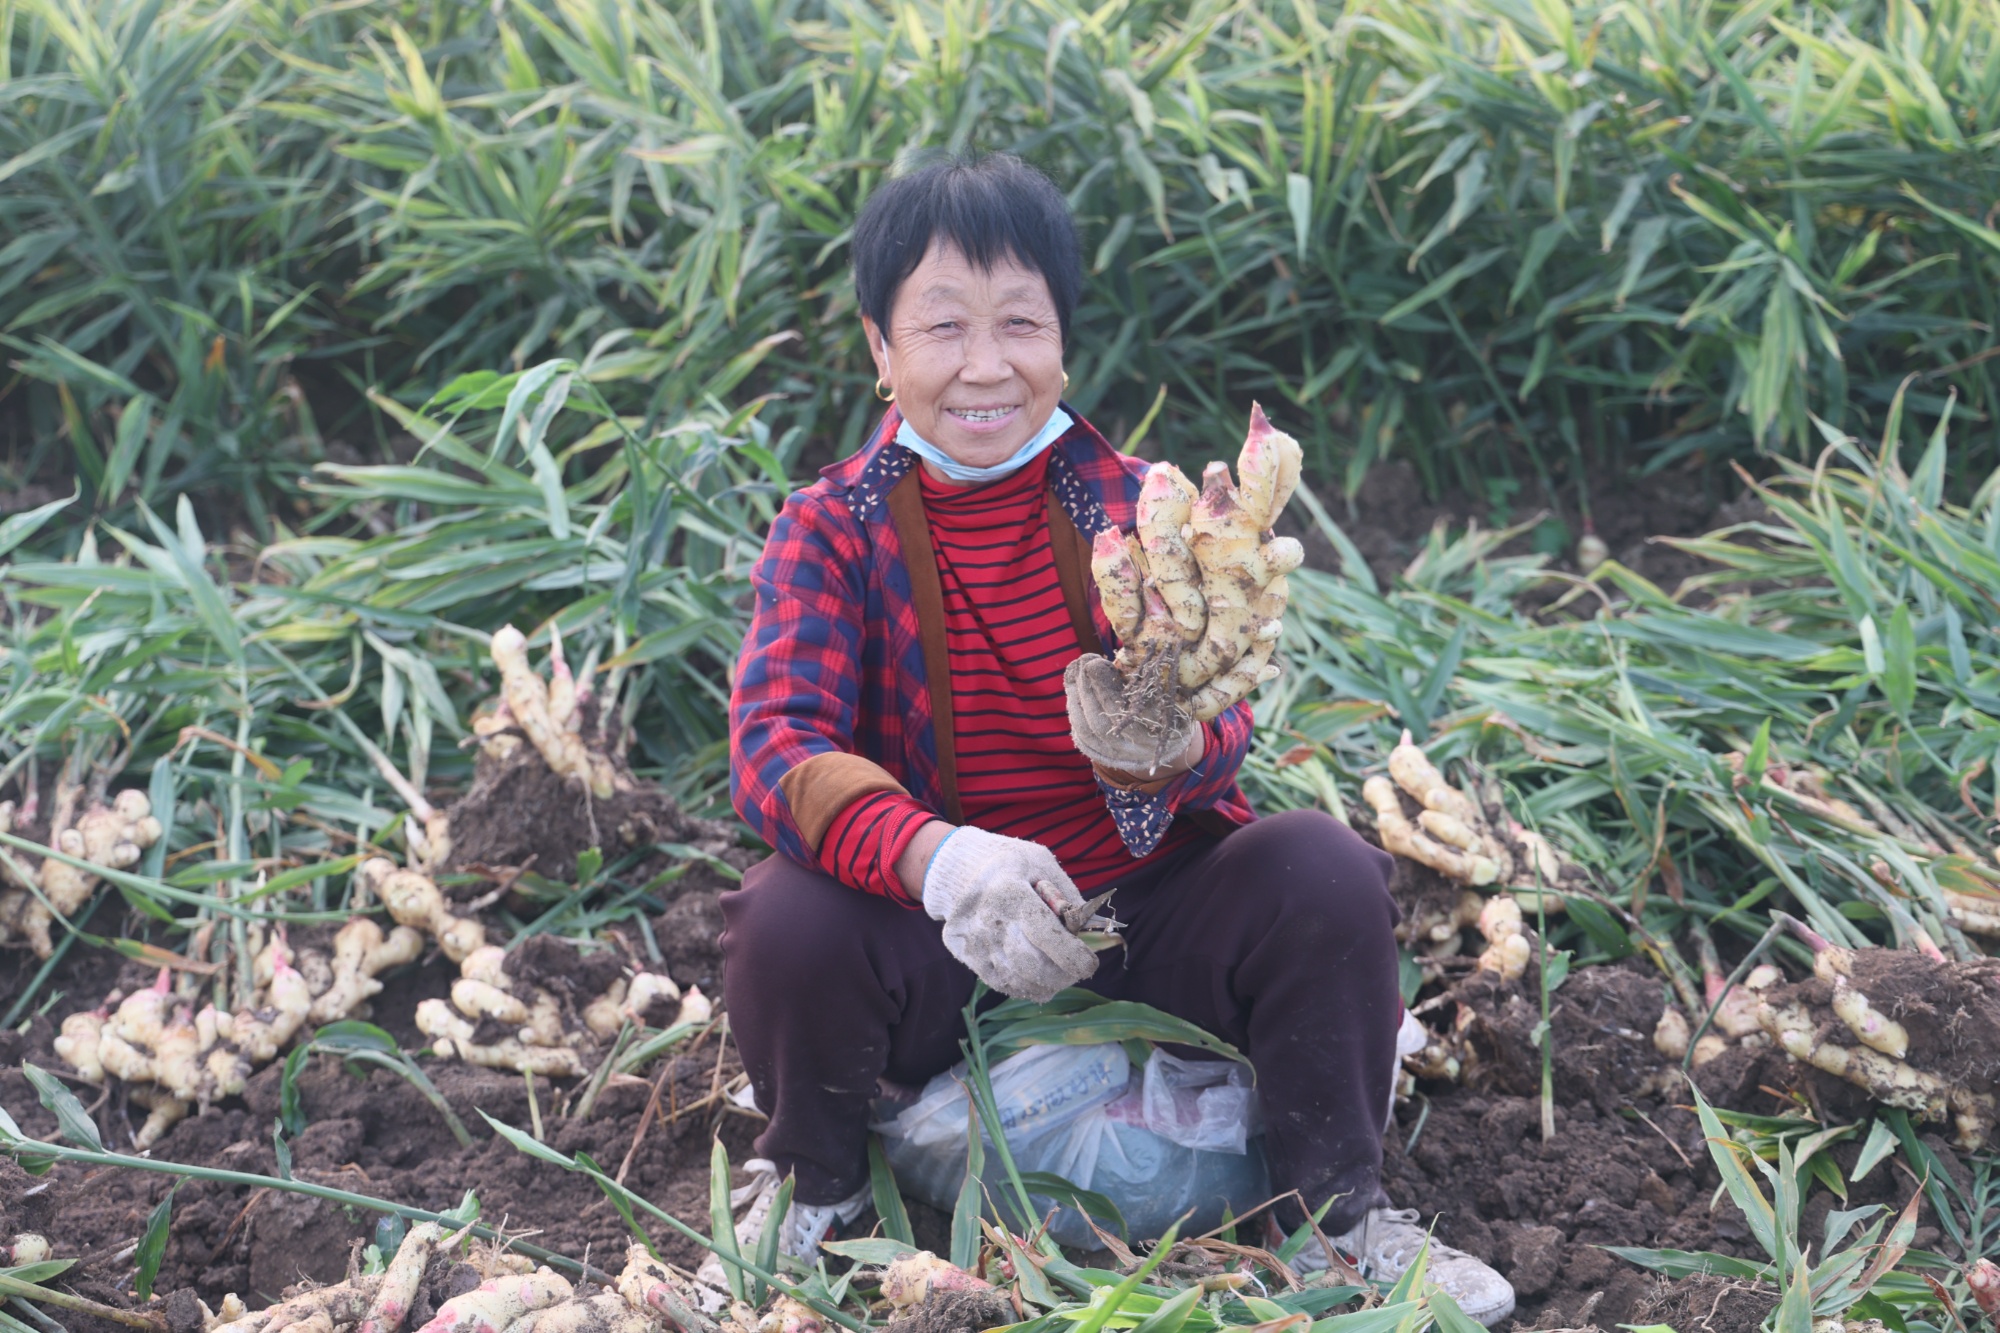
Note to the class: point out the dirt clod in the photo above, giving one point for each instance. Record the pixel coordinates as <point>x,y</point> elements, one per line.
<point>1707,1304</point>
<point>955,1312</point>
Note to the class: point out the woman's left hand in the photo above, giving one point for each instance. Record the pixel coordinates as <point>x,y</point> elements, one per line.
<point>1124,727</point>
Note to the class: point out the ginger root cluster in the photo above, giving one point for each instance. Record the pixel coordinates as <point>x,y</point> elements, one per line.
<point>514,1296</point>
<point>1196,591</point>
<point>501,1022</point>
<point>173,1056</point>
<point>112,835</point>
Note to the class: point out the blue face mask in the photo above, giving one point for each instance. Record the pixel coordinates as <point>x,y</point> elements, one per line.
<point>965,473</point>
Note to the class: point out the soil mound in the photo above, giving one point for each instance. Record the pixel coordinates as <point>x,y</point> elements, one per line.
<point>520,814</point>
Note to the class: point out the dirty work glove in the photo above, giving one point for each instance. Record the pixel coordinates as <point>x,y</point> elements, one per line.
<point>1133,723</point>
<point>998,898</point>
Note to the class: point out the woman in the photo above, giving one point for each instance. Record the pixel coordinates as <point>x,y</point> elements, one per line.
<point>900,735</point>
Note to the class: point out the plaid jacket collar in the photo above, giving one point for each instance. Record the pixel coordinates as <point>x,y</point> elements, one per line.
<point>1094,482</point>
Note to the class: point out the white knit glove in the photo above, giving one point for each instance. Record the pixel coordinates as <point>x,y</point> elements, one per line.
<point>999,898</point>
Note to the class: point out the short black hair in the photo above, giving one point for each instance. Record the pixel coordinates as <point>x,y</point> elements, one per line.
<point>991,208</point>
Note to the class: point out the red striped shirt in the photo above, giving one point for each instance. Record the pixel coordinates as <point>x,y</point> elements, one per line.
<point>1009,634</point>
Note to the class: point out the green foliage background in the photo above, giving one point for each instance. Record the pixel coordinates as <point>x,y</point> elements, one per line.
<point>1500,236</point>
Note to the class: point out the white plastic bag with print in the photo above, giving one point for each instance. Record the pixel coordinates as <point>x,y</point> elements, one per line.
<point>1158,1142</point>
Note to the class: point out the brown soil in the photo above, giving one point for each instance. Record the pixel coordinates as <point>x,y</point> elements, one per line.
<point>1625,1164</point>
<point>1707,1305</point>
<point>1391,517</point>
<point>955,1312</point>
<point>1951,1010</point>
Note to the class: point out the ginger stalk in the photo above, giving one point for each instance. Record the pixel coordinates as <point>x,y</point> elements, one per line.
<point>1975,914</point>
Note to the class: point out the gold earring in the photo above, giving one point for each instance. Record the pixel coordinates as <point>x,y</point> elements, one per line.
<point>1065,381</point>
<point>888,397</point>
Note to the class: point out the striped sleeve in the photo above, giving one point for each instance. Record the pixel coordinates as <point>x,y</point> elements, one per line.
<point>865,840</point>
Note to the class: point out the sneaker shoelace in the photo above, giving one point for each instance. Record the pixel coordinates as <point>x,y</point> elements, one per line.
<point>1389,1242</point>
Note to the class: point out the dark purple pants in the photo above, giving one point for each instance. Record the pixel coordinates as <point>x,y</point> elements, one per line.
<point>1276,938</point>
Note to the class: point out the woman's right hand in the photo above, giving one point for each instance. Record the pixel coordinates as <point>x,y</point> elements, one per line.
<point>999,899</point>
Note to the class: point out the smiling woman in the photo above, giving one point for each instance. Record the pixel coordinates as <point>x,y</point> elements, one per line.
<point>903,734</point>
<point>967,279</point>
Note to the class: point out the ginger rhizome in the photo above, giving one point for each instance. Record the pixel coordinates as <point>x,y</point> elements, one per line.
<point>1195,593</point>
<point>173,1055</point>
<point>499,1021</point>
<point>1470,841</point>
<point>113,835</point>
<point>513,1296</point>
<point>549,713</point>
<point>1912,1029</point>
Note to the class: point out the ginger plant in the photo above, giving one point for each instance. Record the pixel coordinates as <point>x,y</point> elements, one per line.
<point>1196,594</point>
<point>174,1056</point>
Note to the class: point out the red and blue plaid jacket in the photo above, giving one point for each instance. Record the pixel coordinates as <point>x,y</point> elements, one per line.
<point>833,663</point>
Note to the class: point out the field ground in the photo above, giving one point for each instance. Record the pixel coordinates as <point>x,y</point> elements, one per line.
<point>1626,1166</point>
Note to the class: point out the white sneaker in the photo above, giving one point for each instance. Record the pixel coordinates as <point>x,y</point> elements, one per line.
<point>1386,1242</point>
<point>803,1227</point>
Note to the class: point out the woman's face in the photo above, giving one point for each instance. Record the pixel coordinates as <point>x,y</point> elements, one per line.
<point>974,355</point>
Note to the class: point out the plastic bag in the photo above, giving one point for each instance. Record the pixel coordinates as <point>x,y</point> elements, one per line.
<point>1177,1136</point>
